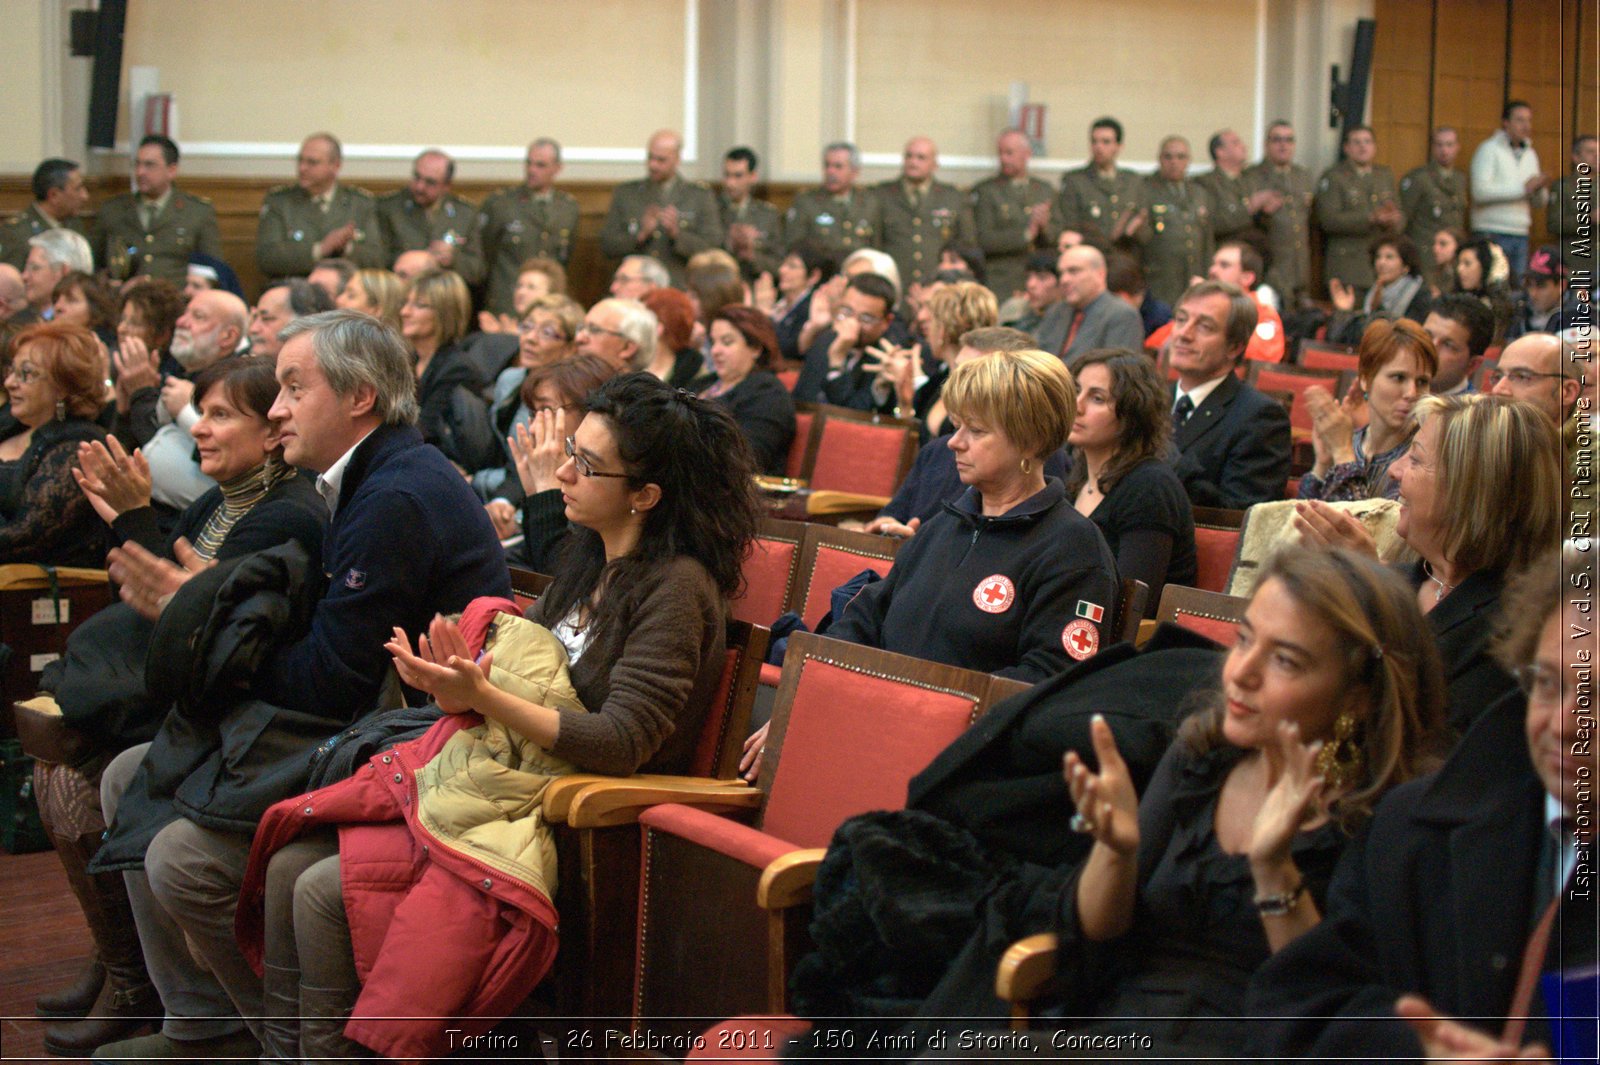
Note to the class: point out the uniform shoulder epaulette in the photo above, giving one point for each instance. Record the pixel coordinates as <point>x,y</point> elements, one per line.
<point>281,190</point>
<point>358,192</point>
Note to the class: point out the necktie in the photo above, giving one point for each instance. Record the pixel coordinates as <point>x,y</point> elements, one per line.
<point>1072,332</point>
<point>147,214</point>
<point>1181,411</point>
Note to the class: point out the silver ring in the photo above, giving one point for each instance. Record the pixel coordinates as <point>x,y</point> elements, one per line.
<point>1080,823</point>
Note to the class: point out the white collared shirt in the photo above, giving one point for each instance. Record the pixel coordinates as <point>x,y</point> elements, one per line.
<point>332,479</point>
<point>1200,392</point>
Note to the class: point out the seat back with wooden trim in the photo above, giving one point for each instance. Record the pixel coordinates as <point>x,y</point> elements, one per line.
<point>528,585</point>
<point>805,423</point>
<point>1132,600</point>
<point>727,721</point>
<point>858,451</point>
<point>1215,546</point>
<point>829,557</point>
<point>852,725</point>
<point>1326,355</point>
<point>769,572</point>
<point>1269,377</point>
<point>1211,614</point>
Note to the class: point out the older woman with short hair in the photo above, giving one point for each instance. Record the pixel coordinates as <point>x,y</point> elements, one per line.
<point>1480,495</point>
<point>56,382</point>
<point>82,299</point>
<point>434,318</point>
<point>1396,365</point>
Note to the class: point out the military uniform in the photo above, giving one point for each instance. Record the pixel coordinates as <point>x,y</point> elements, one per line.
<point>1000,207</point>
<point>913,233</point>
<point>1229,201</point>
<point>403,226</point>
<point>1180,237</point>
<point>699,223</point>
<point>1346,199</point>
<point>124,246</point>
<point>292,221</point>
<point>1433,198</point>
<point>1088,198</point>
<point>1288,229</point>
<point>767,222</point>
<point>1571,225</point>
<point>839,224</point>
<point>515,225</point>
<point>30,222</point>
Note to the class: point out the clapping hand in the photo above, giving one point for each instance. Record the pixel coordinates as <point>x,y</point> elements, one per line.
<point>176,394</point>
<point>136,368</point>
<point>1332,428</point>
<point>1324,526</point>
<point>538,454</point>
<point>148,582</point>
<point>1344,297</point>
<point>113,481</point>
<point>1294,799</point>
<point>1107,805</point>
<point>1447,1039</point>
<point>442,665</point>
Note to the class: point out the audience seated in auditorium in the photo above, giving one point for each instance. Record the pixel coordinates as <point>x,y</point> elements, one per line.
<point>1473,461</point>
<point>1087,316</point>
<point>664,215</point>
<point>839,367</point>
<point>56,385</point>
<point>82,299</point>
<point>1397,364</point>
<point>554,394</point>
<point>639,607</point>
<point>331,276</point>
<point>259,502</point>
<point>539,276</point>
<point>379,293</point>
<point>913,387</point>
<point>1120,479</point>
<point>676,361</point>
<point>622,332</point>
<point>1429,914</point>
<point>1399,290</point>
<point>799,274</point>
<point>1232,442</point>
<point>60,195</point>
<point>52,255</point>
<point>1544,306</point>
<point>407,541</point>
<point>637,276</point>
<point>744,349</point>
<point>1550,373</point>
<point>1125,280</point>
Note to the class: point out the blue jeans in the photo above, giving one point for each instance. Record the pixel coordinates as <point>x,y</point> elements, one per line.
<point>1516,249</point>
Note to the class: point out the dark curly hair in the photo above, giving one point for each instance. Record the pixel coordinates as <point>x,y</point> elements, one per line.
<point>1140,399</point>
<point>160,304</point>
<point>709,511</point>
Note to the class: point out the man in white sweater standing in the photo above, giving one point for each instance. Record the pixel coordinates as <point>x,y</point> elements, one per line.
<point>1506,183</point>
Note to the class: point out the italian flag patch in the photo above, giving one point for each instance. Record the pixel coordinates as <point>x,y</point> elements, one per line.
<point>1092,611</point>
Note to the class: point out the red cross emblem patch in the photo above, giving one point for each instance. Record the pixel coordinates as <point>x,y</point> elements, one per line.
<point>994,595</point>
<point>1081,639</point>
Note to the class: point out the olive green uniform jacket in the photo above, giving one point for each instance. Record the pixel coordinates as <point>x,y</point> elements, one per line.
<point>291,222</point>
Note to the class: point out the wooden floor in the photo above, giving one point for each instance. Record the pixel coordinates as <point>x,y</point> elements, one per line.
<point>44,944</point>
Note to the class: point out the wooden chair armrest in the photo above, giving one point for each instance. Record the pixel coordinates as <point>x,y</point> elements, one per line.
<point>787,881</point>
<point>562,792</point>
<point>619,802</point>
<point>1027,965</point>
<point>1147,629</point>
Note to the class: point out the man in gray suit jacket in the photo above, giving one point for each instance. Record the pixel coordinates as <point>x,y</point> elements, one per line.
<point>1088,316</point>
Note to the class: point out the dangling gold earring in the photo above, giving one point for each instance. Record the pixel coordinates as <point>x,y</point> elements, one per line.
<point>1340,761</point>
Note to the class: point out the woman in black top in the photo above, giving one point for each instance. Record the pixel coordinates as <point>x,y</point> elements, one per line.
<point>743,350</point>
<point>1119,480</point>
<point>454,417</point>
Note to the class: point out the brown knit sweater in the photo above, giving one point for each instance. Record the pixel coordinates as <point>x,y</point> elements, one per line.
<point>648,679</point>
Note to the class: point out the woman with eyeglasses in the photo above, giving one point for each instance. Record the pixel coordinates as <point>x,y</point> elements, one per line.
<point>56,382</point>
<point>1480,496</point>
<point>454,418</point>
<point>658,486</point>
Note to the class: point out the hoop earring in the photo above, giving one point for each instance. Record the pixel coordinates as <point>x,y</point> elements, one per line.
<point>1027,466</point>
<point>1340,761</point>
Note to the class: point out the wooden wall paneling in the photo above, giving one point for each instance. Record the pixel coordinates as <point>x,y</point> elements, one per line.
<point>1541,55</point>
<point>1469,69</point>
<point>1584,78</point>
<point>1402,74</point>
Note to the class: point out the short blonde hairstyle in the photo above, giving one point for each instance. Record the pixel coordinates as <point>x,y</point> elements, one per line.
<point>1499,469</point>
<point>564,309</point>
<point>962,307</point>
<point>1028,396</point>
<point>552,270</point>
<point>447,294</point>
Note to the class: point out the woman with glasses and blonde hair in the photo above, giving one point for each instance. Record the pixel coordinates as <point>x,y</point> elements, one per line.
<point>948,314</point>
<point>1480,495</point>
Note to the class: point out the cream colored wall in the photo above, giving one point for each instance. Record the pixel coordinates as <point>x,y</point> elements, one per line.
<point>482,77</point>
<point>956,60</point>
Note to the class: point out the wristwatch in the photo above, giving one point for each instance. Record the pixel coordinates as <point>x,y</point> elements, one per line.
<point>1278,905</point>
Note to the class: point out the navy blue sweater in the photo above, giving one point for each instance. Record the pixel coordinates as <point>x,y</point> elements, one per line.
<point>409,539</point>
<point>1041,572</point>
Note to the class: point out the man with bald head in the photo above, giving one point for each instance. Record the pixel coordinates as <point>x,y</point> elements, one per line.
<point>921,215</point>
<point>1179,226</point>
<point>1011,214</point>
<point>664,216</point>
<point>426,215</point>
<point>1532,368</point>
<point>317,218</point>
<point>1087,316</point>
<point>531,220</point>
<point>410,265</point>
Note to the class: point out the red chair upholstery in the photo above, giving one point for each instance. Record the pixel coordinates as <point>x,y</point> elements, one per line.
<point>769,572</point>
<point>1322,355</point>
<point>830,557</point>
<point>1270,378</point>
<point>861,453</point>
<point>790,378</point>
<point>1212,615</point>
<point>1214,550</point>
<point>706,947</point>
<point>794,465</point>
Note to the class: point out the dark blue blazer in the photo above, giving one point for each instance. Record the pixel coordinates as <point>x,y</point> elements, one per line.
<point>1234,449</point>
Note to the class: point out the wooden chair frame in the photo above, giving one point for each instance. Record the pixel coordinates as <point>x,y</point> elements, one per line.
<point>826,413</point>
